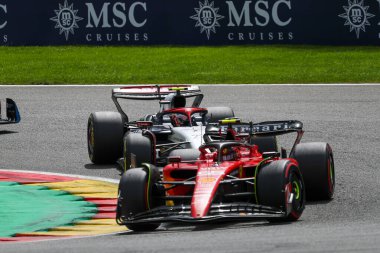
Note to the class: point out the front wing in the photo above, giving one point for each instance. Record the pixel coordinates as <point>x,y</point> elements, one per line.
<point>217,212</point>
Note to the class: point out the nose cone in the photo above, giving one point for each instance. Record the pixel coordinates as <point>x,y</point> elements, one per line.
<point>207,183</point>
<point>200,206</point>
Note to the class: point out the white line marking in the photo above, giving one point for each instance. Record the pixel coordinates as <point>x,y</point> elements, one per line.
<point>290,85</point>
<point>122,85</point>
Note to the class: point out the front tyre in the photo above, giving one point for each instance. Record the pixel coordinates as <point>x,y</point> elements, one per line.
<point>105,132</point>
<point>280,184</point>
<point>137,192</point>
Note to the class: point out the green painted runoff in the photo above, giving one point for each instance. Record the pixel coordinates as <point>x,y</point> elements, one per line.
<point>27,208</point>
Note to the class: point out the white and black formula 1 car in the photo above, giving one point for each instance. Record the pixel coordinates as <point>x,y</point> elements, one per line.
<point>175,129</point>
<point>9,113</point>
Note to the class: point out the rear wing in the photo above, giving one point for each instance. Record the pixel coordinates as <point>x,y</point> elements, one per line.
<point>155,92</point>
<point>263,128</point>
<point>245,131</point>
<point>9,113</point>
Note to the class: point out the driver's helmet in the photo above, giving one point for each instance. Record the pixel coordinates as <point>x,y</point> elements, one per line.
<point>229,154</point>
<point>178,120</point>
<point>178,101</point>
<point>175,101</point>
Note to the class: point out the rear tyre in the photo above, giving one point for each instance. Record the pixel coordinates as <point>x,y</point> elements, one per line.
<point>316,163</point>
<point>280,185</point>
<point>137,150</point>
<point>214,114</point>
<point>105,132</point>
<point>136,195</point>
<point>187,154</point>
<point>265,143</point>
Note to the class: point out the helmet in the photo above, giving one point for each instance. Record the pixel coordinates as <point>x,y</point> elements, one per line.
<point>178,101</point>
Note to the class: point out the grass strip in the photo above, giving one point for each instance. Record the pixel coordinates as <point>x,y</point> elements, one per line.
<point>208,65</point>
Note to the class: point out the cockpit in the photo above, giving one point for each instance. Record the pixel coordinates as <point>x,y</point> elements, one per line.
<point>183,117</point>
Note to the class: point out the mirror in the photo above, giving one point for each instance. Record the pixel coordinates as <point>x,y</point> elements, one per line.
<point>9,113</point>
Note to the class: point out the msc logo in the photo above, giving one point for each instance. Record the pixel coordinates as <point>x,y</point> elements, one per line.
<point>356,16</point>
<point>66,19</point>
<point>207,17</point>
<point>3,23</point>
<point>116,15</point>
<point>249,13</point>
<point>3,9</point>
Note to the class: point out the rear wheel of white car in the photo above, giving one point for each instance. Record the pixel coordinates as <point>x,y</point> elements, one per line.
<point>280,185</point>
<point>105,132</point>
<point>214,114</point>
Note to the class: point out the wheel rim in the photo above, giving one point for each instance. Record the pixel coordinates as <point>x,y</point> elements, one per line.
<point>91,139</point>
<point>331,176</point>
<point>296,188</point>
<point>298,193</point>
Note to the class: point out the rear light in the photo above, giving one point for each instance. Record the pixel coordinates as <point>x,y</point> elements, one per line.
<point>144,124</point>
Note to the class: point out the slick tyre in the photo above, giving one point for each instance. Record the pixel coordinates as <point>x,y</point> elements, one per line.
<point>215,114</point>
<point>105,132</point>
<point>316,163</point>
<point>136,195</point>
<point>187,154</point>
<point>265,143</point>
<point>280,185</point>
<point>137,150</point>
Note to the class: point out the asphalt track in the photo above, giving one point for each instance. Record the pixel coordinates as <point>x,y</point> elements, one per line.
<point>52,137</point>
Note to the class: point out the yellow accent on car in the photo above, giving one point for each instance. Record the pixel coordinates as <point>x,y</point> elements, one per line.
<point>177,88</point>
<point>241,171</point>
<point>169,203</point>
<point>229,121</point>
<point>207,180</point>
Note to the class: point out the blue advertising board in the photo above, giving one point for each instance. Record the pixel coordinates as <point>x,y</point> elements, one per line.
<point>189,22</point>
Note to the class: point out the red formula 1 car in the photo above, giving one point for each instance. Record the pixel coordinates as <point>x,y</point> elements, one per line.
<point>230,180</point>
